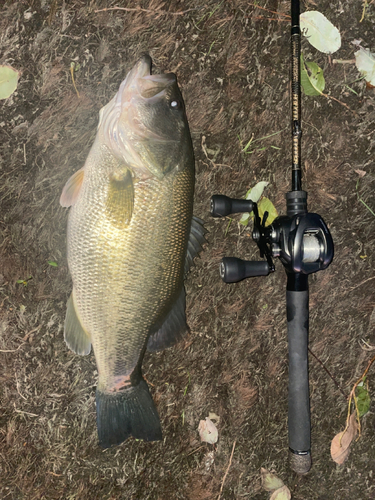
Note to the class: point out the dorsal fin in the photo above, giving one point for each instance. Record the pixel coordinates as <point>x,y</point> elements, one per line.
<point>196,241</point>
<point>173,329</point>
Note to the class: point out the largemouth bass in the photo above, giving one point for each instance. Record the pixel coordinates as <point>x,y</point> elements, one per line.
<point>131,239</point>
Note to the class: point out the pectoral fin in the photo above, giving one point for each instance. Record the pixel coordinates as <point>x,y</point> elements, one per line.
<point>77,339</point>
<point>120,199</point>
<point>71,189</point>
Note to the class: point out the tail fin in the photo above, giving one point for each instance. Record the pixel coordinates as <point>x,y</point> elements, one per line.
<point>127,413</point>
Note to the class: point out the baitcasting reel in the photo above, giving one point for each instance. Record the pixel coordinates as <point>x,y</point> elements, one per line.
<point>301,240</point>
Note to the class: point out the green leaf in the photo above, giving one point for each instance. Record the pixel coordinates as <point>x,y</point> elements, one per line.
<point>53,263</point>
<point>363,399</point>
<point>254,195</point>
<point>24,282</point>
<point>320,32</point>
<point>312,79</point>
<point>8,81</point>
<point>266,205</point>
<point>365,62</point>
<point>256,192</point>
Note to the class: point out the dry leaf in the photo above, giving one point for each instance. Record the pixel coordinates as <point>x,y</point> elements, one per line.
<point>340,452</point>
<point>282,493</point>
<point>361,173</point>
<point>270,482</point>
<point>207,431</point>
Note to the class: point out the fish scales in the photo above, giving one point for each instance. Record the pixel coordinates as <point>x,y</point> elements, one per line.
<point>131,239</point>
<point>150,251</point>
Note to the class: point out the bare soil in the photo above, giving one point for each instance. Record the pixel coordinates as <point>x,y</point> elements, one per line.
<point>232,60</point>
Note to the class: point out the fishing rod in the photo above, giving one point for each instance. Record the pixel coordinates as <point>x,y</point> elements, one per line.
<point>303,243</point>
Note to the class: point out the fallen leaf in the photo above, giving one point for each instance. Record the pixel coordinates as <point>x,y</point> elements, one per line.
<point>361,173</point>
<point>270,482</point>
<point>320,32</point>
<point>312,78</point>
<point>363,398</point>
<point>8,81</point>
<point>266,205</point>
<point>365,62</point>
<point>207,431</point>
<point>340,451</point>
<point>282,493</point>
<point>254,194</point>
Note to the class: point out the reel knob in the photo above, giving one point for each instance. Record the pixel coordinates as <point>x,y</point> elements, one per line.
<point>233,269</point>
<point>221,205</point>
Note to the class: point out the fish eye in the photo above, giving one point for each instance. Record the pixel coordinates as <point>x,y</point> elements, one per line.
<point>175,104</point>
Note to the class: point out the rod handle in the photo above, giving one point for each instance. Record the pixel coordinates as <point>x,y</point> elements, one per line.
<point>298,398</point>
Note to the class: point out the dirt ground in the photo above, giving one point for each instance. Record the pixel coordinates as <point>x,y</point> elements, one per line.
<point>232,60</point>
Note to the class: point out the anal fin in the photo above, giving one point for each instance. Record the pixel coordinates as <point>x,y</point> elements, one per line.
<point>173,329</point>
<point>76,338</point>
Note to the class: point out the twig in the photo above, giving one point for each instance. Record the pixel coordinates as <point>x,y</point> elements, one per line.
<point>340,102</point>
<point>362,283</point>
<point>139,9</point>
<point>12,350</point>
<point>25,412</point>
<point>226,472</point>
<point>18,387</point>
<point>343,61</point>
<point>72,67</point>
<point>208,158</point>
<point>328,373</point>
<point>368,346</point>
<point>363,11</point>
<point>271,11</point>
<point>194,451</point>
<point>261,18</point>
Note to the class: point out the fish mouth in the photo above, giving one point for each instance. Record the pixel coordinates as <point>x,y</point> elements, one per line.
<point>141,87</point>
<point>123,121</point>
<point>142,83</point>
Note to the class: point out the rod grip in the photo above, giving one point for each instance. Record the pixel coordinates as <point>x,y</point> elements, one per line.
<point>298,399</point>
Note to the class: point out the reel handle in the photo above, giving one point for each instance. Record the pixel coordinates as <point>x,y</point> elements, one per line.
<point>221,205</point>
<point>233,269</point>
